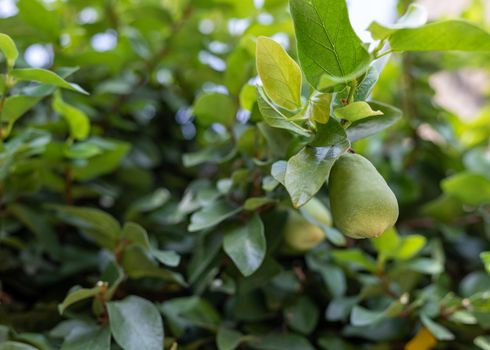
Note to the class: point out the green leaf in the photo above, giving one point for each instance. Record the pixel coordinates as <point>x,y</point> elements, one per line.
<point>45,77</point>
<point>451,35</point>
<point>138,264</point>
<point>46,23</point>
<point>372,125</point>
<point>103,163</point>
<point>246,245</point>
<point>278,171</point>
<point>214,107</point>
<point>228,339</point>
<point>364,317</point>
<point>426,265</point>
<point>273,117</point>
<point>356,111</point>
<point>96,338</point>
<point>483,342</point>
<point>100,226</point>
<point>78,294</point>
<point>328,47</point>
<point>469,187</point>
<point>281,341</point>
<point>415,16</point>
<point>136,324</point>
<point>136,234</point>
<point>307,171</point>
<point>340,308</point>
<point>166,257</point>
<point>16,106</point>
<point>367,84</point>
<point>302,316</point>
<point>8,48</point>
<point>485,257</point>
<point>185,311</point>
<point>77,120</point>
<point>318,108</point>
<point>13,345</point>
<point>38,224</point>
<point>355,258</point>
<point>212,215</point>
<point>279,73</point>
<point>410,246</point>
<point>438,331</point>
<point>257,202</point>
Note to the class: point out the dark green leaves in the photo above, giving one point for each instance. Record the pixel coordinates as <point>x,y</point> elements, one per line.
<point>212,215</point>
<point>246,245</point>
<point>93,338</point>
<point>8,48</point>
<point>136,324</point>
<point>100,226</point>
<point>307,171</point>
<point>328,48</point>
<point>280,74</point>
<point>78,294</point>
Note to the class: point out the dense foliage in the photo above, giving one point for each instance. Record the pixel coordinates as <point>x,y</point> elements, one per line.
<point>164,179</point>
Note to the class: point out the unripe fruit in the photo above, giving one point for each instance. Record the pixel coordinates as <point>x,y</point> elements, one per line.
<point>301,235</point>
<point>317,211</point>
<point>362,204</point>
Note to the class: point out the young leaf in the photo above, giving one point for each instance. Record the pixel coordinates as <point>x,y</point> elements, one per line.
<point>136,324</point>
<point>77,295</point>
<point>327,45</point>
<point>45,77</point>
<point>451,35</point>
<point>8,48</point>
<point>246,245</point>
<point>372,125</point>
<point>76,119</point>
<point>280,74</point>
<point>485,257</point>
<point>356,111</point>
<point>319,107</point>
<point>273,117</point>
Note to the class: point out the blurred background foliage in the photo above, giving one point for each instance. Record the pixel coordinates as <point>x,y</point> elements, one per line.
<point>144,158</point>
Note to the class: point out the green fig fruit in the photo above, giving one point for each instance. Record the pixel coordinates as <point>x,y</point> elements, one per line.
<point>362,204</point>
<point>301,235</point>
